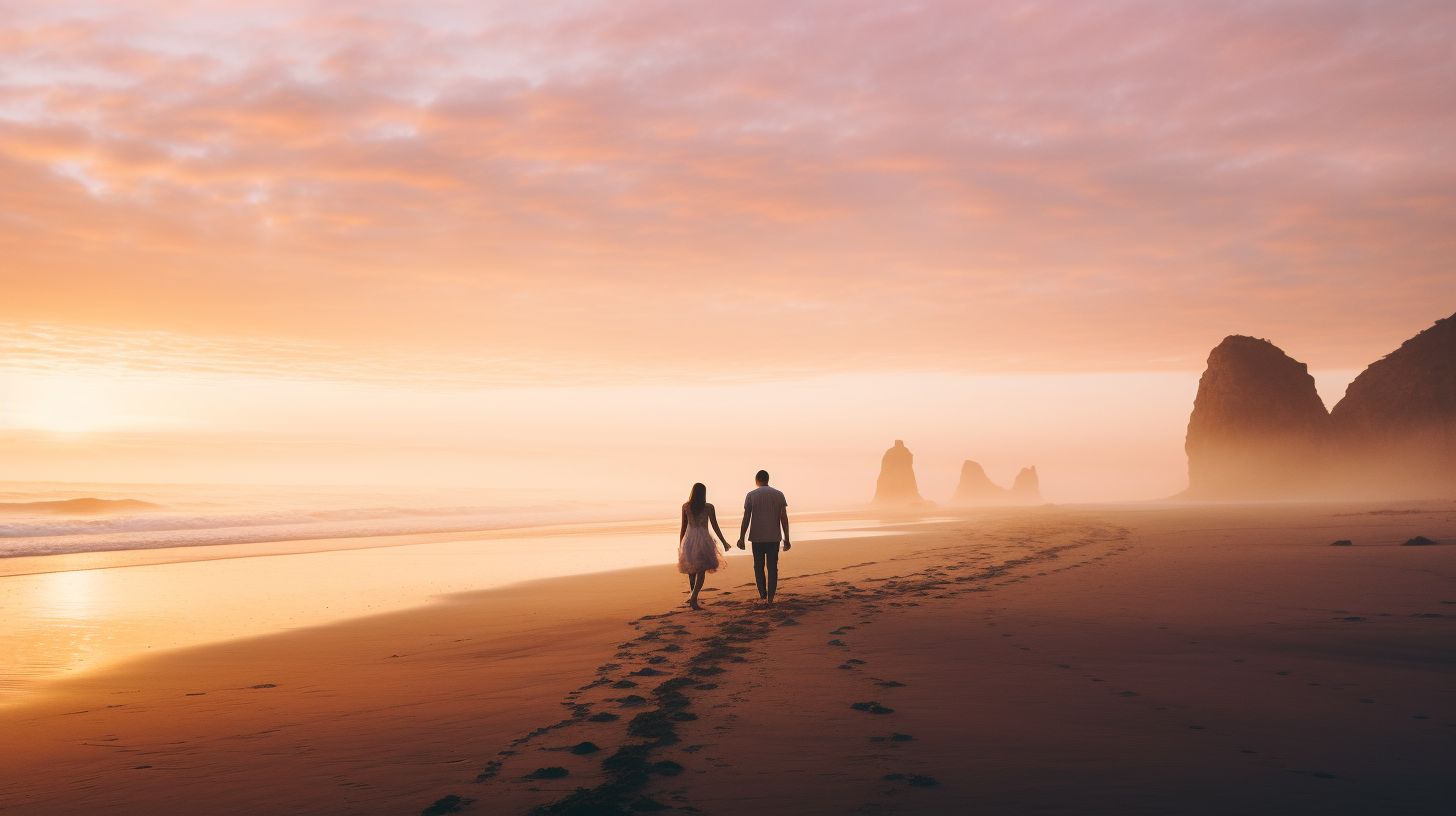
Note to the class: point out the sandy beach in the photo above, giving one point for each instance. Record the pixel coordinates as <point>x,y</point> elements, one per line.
<point>1135,659</point>
<point>376,378</point>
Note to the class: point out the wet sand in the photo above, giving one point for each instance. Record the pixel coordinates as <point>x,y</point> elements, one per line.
<point>63,615</point>
<point>1103,660</point>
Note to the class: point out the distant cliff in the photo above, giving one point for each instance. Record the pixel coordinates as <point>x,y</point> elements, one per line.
<point>896,484</point>
<point>80,507</point>
<point>1260,431</point>
<point>1258,428</point>
<point>1395,429</point>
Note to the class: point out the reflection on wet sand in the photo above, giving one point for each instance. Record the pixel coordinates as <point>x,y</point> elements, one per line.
<point>70,613</point>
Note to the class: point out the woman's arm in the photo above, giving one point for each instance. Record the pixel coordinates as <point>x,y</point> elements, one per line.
<point>682,531</point>
<point>713,517</point>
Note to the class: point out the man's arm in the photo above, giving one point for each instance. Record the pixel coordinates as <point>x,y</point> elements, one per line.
<point>743,531</point>
<point>784,525</point>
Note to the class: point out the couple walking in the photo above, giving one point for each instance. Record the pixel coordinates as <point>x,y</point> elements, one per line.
<point>765,516</point>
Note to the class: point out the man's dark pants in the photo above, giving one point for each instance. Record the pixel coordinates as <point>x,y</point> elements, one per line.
<point>766,559</point>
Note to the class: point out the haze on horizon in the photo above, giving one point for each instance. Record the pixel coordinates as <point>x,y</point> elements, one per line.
<point>617,247</point>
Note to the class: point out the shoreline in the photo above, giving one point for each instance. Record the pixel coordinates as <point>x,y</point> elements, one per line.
<point>68,616</point>
<point>18,565</point>
<point>189,683</point>
<point>1196,613</point>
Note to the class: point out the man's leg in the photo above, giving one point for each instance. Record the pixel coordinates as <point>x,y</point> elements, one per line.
<point>772,556</point>
<point>758,576</point>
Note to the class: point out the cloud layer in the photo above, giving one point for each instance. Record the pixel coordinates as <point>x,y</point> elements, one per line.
<point>652,187</point>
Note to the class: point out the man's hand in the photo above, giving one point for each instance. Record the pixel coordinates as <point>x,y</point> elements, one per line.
<point>787,545</point>
<point>740,545</point>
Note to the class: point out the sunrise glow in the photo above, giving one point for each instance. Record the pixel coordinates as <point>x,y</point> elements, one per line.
<point>609,407</point>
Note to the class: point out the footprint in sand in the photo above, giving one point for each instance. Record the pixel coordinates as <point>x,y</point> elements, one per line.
<point>446,804</point>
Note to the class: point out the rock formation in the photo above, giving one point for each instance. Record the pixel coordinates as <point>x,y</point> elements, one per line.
<point>896,484</point>
<point>1258,428</point>
<point>1027,487</point>
<point>977,488</point>
<point>1394,432</point>
<point>79,507</point>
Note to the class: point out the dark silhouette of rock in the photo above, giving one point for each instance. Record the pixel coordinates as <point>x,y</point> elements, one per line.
<point>1027,487</point>
<point>896,484</point>
<point>1395,429</point>
<point>1418,541</point>
<point>1258,428</point>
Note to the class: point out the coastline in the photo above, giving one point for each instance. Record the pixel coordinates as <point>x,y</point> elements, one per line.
<point>1092,660</point>
<point>66,614</point>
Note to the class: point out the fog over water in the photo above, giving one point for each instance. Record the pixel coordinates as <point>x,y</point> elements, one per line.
<point>1093,437</point>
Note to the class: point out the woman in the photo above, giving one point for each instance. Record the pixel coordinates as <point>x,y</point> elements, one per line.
<point>696,555</point>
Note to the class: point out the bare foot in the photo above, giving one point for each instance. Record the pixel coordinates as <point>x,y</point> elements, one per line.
<point>693,602</point>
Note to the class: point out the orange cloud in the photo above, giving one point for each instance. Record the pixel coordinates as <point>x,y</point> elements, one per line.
<point>649,187</point>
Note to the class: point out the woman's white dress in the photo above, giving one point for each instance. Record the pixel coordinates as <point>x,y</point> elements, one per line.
<point>698,552</point>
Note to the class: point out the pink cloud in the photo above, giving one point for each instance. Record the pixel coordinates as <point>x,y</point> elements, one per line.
<point>1031,185</point>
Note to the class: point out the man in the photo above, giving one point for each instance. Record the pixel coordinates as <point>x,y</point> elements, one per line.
<point>765,514</point>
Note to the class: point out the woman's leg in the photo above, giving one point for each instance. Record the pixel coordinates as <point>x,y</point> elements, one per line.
<point>698,578</point>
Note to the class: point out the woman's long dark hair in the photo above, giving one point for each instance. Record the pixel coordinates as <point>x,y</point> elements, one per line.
<point>698,500</point>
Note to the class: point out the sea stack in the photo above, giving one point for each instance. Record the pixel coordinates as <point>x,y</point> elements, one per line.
<point>1258,428</point>
<point>1395,429</point>
<point>1027,487</point>
<point>975,487</point>
<point>896,484</point>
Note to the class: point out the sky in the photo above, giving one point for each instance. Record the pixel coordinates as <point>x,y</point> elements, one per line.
<point>612,245</point>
